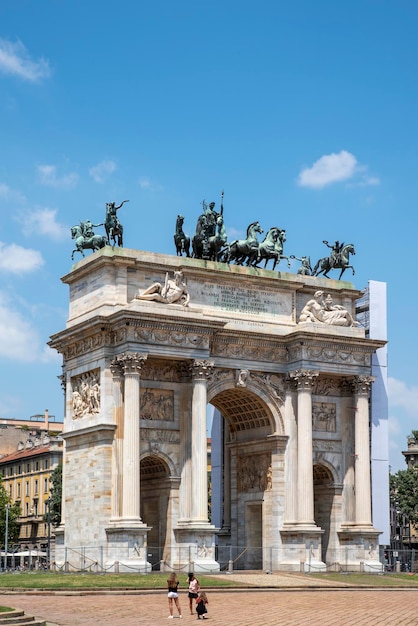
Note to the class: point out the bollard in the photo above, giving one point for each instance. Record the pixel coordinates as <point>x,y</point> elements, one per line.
<point>116,567</point>
<point>230,566</point>
<point>398,567</point>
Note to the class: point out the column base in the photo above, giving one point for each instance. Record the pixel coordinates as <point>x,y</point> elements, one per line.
<point>195,548</point>
<point>302,548</point>
<point>359,548</point>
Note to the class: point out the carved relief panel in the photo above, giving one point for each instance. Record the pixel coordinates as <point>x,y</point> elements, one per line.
<point>254,473</point>
<point>85,394</point>
<point>157,404</point>
<point>324,416</point>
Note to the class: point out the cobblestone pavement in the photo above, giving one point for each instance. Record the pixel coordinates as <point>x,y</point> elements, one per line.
<point>276,607</point>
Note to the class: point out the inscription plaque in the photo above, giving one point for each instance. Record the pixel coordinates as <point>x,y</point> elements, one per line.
<point>243,300</point>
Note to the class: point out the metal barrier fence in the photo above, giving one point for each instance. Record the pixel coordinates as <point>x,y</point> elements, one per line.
<point>230,558</point>
<point>405,560</point>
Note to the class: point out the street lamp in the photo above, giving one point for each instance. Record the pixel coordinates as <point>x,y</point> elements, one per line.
<point>48,550</point>
<point>6,536</point>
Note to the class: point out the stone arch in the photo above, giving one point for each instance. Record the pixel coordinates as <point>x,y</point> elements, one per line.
<point>155,477</point>
<point>157,458</point>
<point>324,479</point>
<point>324,472</point>
<point>262,410</point>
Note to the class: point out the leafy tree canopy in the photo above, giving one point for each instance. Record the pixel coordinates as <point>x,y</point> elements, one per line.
<point>13,513</point>
<point>404,493</point>
<point>56,495</point>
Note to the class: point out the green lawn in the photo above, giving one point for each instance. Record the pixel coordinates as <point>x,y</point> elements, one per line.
<point>156,581</point>
<point>52,580</point>
<point>372,580</point>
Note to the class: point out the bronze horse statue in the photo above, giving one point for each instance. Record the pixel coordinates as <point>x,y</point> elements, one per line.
<point>86,243</point>
<point>327,264</point>
<point>270,248</point>
<point>181,241</point>
<point>242,249</point>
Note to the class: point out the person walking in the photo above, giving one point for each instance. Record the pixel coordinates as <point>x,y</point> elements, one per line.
<point>173,596</point>
<point>193,590</point>
<point>201,605</point>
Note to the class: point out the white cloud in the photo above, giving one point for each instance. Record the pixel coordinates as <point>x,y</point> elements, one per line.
<point>400,395</point>
<point>147,184</point>
<point>18,260</point>
<point>103,169</point>
<point>44,222</point>
<point>48,355</point>
<point>19,341</point>
<point>48,176</point>
<point>15,60</point>
<point>330,168</point>
<point>144,183</point>
<point>11,195</point>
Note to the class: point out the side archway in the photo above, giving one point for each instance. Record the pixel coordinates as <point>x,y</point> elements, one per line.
<point>155,498</point>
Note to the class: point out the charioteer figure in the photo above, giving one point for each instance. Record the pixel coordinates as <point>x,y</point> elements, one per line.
<point>205,229</point>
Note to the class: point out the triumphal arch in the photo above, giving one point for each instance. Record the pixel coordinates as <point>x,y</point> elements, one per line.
<point>151,340</point>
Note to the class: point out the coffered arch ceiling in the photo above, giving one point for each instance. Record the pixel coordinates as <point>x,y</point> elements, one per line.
<point>243,410</point>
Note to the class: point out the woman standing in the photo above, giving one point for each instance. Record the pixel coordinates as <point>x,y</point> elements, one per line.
<point>193,590</point>
<point>172,586</point>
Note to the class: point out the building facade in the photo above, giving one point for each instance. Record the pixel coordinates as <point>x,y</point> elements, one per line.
<point>289,371</point>
<point>26,475</point>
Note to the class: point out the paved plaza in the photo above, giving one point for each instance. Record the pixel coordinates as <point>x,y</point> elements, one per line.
<point>286,604</point>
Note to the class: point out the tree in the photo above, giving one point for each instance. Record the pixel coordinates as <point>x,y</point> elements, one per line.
<point>56,496</point>
<point>404,493</point>
<point>13,514</point>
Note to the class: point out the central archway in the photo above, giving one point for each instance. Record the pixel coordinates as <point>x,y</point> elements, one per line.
<point>244,460</point>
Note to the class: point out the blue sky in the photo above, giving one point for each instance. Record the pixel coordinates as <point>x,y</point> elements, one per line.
<point>304,112</point>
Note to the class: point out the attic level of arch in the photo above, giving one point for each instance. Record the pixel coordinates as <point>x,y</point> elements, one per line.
<point>187,340</point>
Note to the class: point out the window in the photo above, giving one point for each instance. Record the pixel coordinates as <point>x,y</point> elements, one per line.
<point>27,509</point>
<point>36,466</point>
<point>10,471</point>
<point>36,486</point>
<point>45,485</point>
<point>27,488</point>
<point>28,467</point>
<point>11,491</point>
<point>18,490</point>
<point>46,464</point>
<point>19,469</point>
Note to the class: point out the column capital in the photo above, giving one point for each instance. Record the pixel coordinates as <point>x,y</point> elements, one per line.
<point>304,378</point>
<point>362,384</point>
<point>131,362</point>
<point>116,367</point>
<point>201,369</point>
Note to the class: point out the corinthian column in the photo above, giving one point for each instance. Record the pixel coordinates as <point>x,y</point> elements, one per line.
<point>117,457</point>
<point>201,370</point>
<point>131,363</point>
<point>291,467</point>
<point>304,379</point>
<point>362,386</point>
